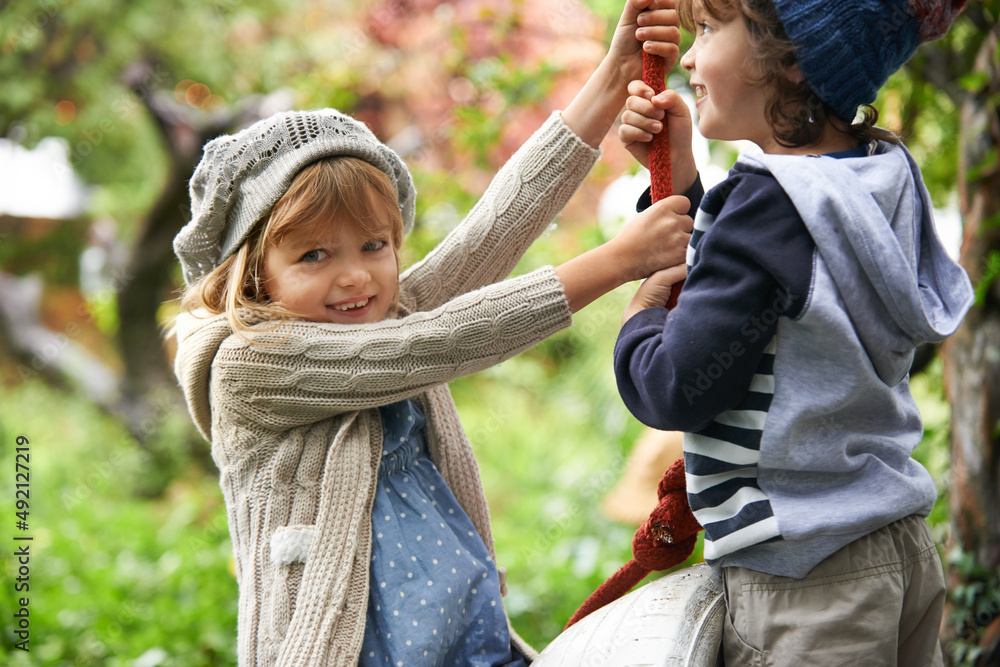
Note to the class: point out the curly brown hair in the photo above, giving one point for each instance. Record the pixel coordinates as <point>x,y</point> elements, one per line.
<point>796,113</point>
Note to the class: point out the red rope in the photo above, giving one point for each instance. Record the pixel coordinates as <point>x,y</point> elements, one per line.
<point>669,535</point>
<point>661,184</point>
<point>654,75</point>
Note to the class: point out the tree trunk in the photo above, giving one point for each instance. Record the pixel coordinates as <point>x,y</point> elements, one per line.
<point>148,388</point>
<point>972,382</point>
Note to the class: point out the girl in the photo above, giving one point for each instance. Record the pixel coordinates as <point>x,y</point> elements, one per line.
<point>813,273</point>
<point>359,525</point>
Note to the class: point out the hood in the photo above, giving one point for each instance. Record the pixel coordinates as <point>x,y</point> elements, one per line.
<point>199,336</point>
<point>871,219</point>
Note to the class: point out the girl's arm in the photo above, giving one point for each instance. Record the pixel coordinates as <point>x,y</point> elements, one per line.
<point>545,172</point>
<point>655,239</point>
<point>650,25</point>
<point>520,203</point>
<point>303,372</point>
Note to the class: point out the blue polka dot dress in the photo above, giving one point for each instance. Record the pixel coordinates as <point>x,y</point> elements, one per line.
<point>435,593</point>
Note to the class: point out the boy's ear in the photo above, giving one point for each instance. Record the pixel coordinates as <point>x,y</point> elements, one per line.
<point>794,74</point>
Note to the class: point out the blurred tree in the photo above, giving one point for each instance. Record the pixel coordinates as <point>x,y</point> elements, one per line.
<point>137,89</point>
<point>146,278</point>
<point>969,72</point>
<point>95,73</point>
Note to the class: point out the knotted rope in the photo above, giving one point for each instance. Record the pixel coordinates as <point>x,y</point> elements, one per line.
<point>665,540</point>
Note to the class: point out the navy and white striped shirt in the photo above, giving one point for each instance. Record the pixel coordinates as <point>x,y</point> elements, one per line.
<point>706,367</point>
<point>784,363</point>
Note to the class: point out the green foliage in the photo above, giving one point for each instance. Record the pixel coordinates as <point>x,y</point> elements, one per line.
<point>479,130</point>
<point>44,249</point>
<point>990,274</point>
<point>113,576</point>
<point>934,452</point>
<point>975,603</point>
<point>103,58</point>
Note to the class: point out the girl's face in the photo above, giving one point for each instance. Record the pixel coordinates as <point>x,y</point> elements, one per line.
<point>729,108</point>
<point>342,275</point>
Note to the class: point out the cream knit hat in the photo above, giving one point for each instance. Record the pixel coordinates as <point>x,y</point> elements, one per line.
<point>242,176</point>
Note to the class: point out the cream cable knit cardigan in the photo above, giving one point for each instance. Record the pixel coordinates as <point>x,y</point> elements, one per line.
<point>294,423</point>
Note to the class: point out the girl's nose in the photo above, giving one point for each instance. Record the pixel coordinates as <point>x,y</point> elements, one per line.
<point>353,275</point>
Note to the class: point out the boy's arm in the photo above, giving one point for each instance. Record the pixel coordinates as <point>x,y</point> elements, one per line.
<point>679,369</point>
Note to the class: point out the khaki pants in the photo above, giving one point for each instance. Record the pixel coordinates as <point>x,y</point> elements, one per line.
<point>877,601</point>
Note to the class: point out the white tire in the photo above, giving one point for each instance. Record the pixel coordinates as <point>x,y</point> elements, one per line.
<point>674,621</point>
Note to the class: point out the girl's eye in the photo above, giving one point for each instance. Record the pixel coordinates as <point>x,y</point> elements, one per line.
<point>312,256</point>
<point>372,246</point>
<point>703,27</point>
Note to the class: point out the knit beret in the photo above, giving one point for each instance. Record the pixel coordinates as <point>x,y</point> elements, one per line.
<point>243,175</point>
<point>849,48</point>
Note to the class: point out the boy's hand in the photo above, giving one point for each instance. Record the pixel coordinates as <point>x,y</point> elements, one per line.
<point>655,290</point>
<point>644,117</point>
<point>652,25</point>
<point>655,239</point>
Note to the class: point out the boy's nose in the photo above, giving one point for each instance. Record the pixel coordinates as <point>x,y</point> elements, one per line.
<point>687,60</point>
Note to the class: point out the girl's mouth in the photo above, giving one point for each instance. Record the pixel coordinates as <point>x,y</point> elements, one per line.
<point>358,308</point>
<point>351,306</point>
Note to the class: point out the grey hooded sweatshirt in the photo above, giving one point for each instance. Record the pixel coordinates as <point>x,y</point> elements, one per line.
<point>811,281</point>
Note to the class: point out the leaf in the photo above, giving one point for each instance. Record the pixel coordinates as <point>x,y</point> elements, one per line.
<point>974,81</point>
<point>990,273</point>
<point>985,166</point>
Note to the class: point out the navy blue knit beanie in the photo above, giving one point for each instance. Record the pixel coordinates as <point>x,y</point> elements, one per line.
<point>849,48</point>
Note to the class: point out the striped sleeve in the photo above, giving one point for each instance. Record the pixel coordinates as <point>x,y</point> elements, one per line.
<point>721,470</point>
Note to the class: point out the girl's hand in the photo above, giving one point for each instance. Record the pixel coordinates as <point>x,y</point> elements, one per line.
<point>655,290</point>
<point>644,117</point>
<point>655,239</point>
<point>652,25</point>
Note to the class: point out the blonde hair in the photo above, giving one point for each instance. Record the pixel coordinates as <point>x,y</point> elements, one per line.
<point>330,191</point>
<point>795,112</point>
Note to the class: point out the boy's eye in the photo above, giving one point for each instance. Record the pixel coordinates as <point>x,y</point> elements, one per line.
<point>372,246</point>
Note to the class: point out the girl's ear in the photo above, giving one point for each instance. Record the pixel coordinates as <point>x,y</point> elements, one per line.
<point>794,74</point>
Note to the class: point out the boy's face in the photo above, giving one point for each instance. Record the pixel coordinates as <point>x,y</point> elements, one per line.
<point>343,275</point>
<point>729,107</point>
